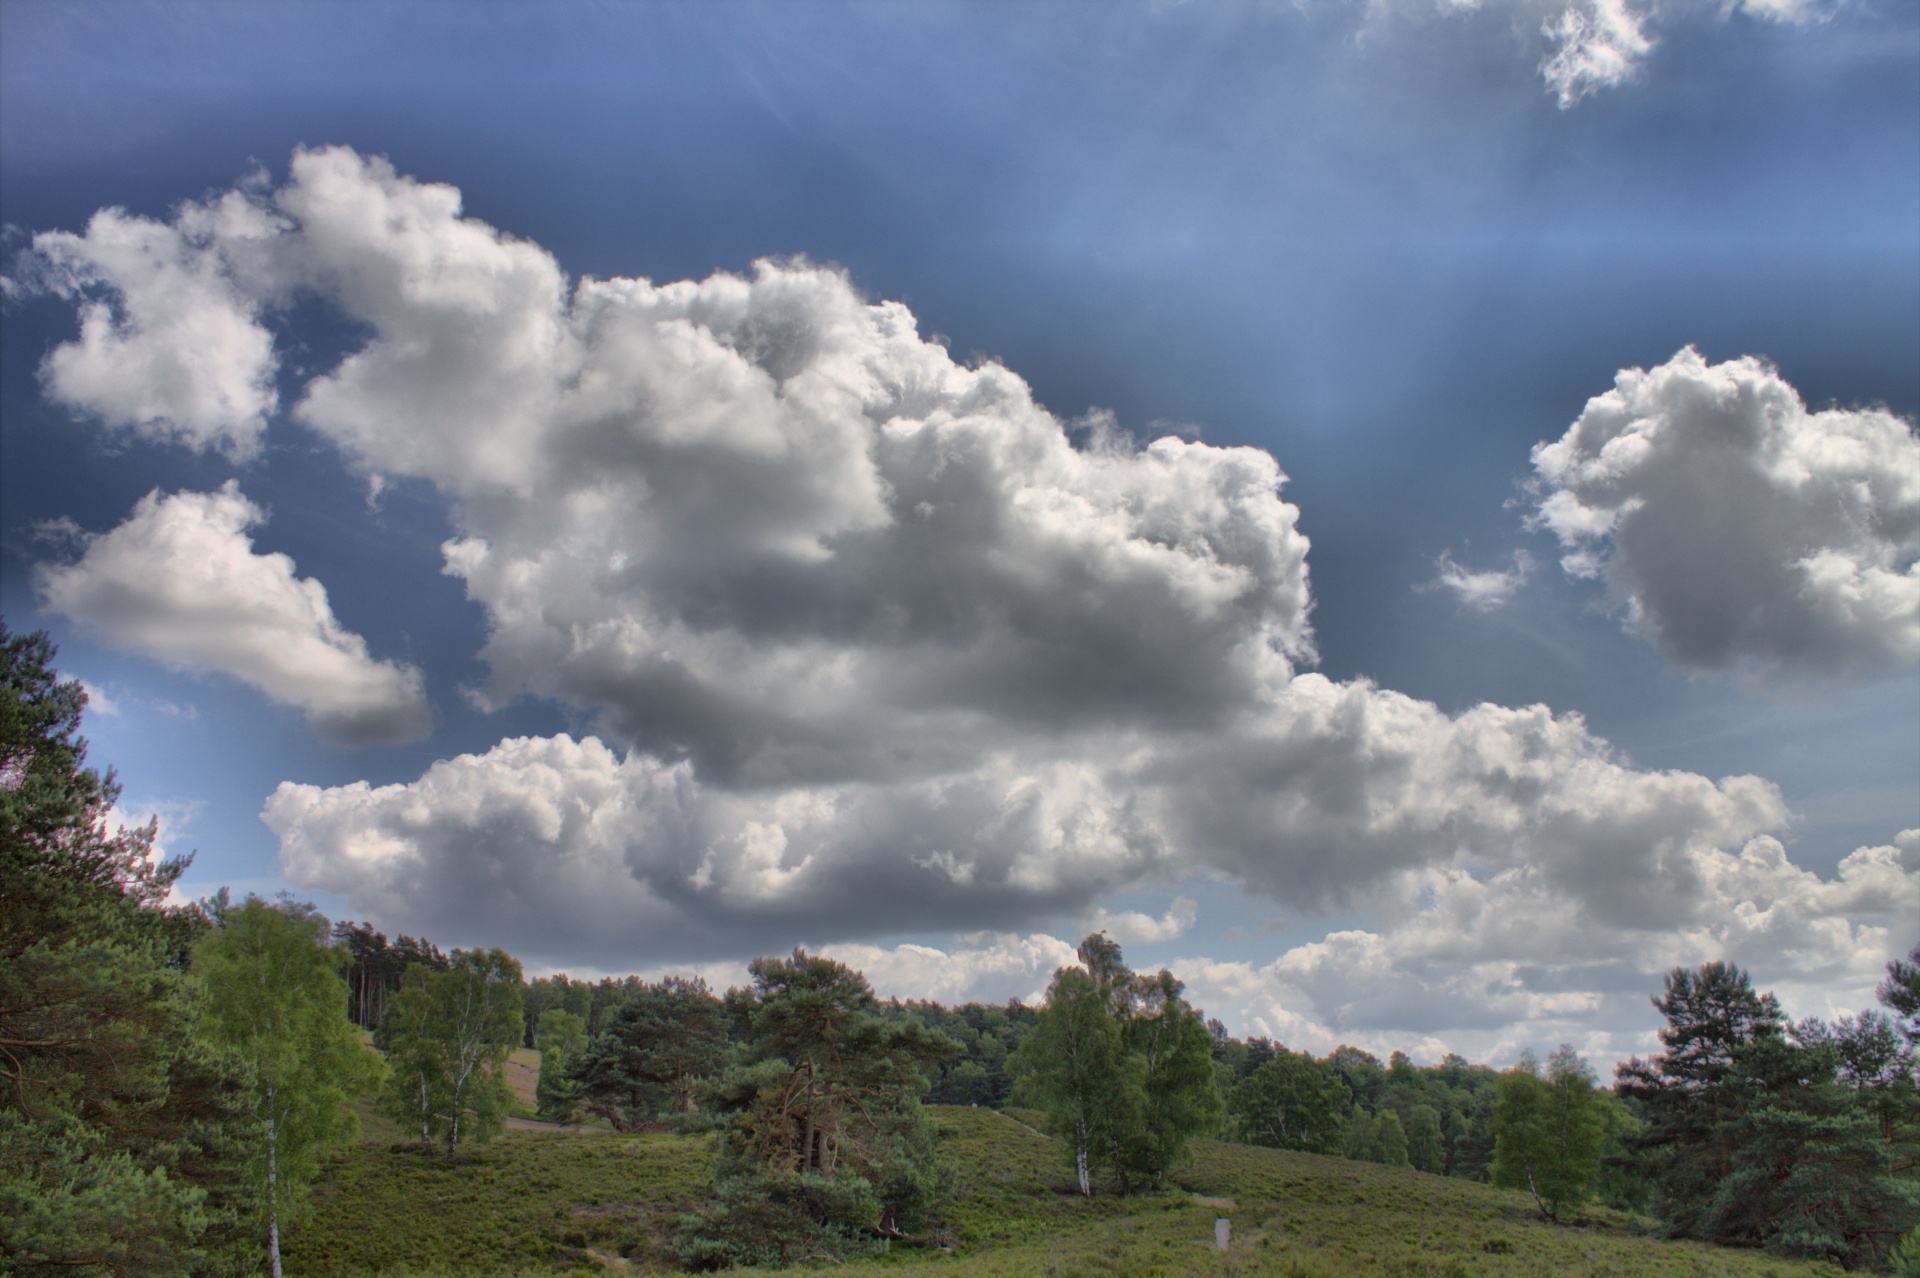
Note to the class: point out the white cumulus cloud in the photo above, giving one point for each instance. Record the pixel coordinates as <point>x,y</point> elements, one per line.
<point>170,345</point>
<point>1738,529</point>
<point>180,582</point>
<point>1490,964</point>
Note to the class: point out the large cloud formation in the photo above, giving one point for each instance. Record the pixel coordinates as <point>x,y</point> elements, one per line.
<point>879,644</point>
<point>1492,965</point>
<point>1736,528</point>
<point>180,582</point>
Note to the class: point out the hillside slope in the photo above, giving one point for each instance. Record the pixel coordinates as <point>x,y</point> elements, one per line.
<point>549,1202</point>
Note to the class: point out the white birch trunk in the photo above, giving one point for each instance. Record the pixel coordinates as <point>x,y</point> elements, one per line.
<point>273,1189</point>
<point>1080,1161</point>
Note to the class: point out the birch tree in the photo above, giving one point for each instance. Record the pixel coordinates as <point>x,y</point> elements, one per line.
<point>274,996</point>
<point>447,1035</point>
<point>1182,1094</point>
<point>1548,1132</point>
<point>1075,1066</point>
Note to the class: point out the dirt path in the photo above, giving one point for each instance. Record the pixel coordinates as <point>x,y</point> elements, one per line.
<point>1017,1123</point>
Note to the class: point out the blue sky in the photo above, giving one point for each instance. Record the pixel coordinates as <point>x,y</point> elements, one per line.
<point>1374,241</point>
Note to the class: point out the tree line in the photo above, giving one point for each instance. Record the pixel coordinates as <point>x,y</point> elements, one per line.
<point>170,1076</point>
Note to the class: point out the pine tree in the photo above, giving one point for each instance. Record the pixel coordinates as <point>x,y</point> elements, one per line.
<point>561,1040</point>
<point>824,1144</point>
<point>651,1053</point>
<point>123,1136</point>
<point>1694,1099</point>
<point>1757,1136</point>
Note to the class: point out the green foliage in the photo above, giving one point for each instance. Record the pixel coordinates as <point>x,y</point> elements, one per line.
<point>824,1143</point>
<point>122,1135</point>
<point>1292,1102</point>
<point>1122,1066</point>
<point>1617,1185</point>
<point>779,1218</point>
<point>987,1034</point>
<point>1180,1092</point>
<point>561,1039</point>
<point>1548,1133</point>
<point>1074,1067</point>
<point>274,997</point>
<point>1762,1137</point>
<point>1375,1138</point>
<point>1905,1261</point>
<point>1391,1138</point>
<point>447,1035</point>
<point>1426,1143</point>
<point>652,1053</point>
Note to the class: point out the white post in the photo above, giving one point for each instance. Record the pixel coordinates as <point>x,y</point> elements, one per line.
<point>1222,1233</point>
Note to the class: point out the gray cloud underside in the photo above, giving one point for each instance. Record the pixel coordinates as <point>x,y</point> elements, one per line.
<point>882,650</point>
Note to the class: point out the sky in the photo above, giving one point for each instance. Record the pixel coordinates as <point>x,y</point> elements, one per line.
<point>1404,512</point>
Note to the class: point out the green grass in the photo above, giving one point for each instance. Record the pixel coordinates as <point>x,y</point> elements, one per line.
<point>538,1203</point>
<point>526,1203</point>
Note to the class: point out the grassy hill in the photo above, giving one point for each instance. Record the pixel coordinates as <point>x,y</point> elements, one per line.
<point>538,1203</point>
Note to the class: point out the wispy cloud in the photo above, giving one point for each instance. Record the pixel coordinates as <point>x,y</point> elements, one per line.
<point>1487,590</point>
<point>1597,44</point>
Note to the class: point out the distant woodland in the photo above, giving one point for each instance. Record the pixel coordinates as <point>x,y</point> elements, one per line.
<point>173,1077</point>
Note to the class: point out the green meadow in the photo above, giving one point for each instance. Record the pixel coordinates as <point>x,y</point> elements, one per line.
<point>536,1203</point>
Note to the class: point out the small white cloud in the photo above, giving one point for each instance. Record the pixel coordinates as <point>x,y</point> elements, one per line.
<point>1135,928</point>
<point>1597,44</point>
<point>170,343</point>
<point>98,702</point>
<point>1796,12</point>
<point>179,582</point>
<point>986,967</point>
<point>1734,528</point>
<point>1485,591</point>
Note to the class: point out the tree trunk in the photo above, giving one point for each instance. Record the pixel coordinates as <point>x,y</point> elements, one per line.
<point>1080,1161</point>
<point>273,1190</point>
